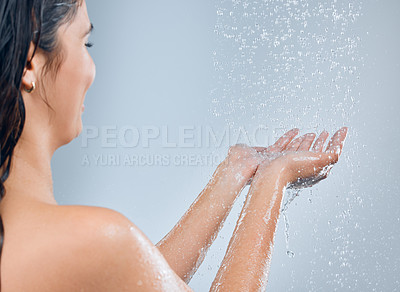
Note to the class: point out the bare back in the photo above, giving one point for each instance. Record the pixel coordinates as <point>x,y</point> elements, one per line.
<point>70,248</point>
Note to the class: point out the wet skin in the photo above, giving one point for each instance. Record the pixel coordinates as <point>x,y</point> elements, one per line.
<point>48,247</point>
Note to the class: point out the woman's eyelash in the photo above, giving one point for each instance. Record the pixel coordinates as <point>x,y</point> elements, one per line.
<point>89,45</point>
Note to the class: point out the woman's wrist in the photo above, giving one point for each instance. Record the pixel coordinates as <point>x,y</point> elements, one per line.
<point>275,172</point>
<point>229,177</point>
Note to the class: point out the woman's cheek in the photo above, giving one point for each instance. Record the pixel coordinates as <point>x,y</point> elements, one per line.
<point>93,75</point>
<point>91,70</point>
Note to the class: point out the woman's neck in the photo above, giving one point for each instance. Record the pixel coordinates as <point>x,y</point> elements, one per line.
<point>30,175</point>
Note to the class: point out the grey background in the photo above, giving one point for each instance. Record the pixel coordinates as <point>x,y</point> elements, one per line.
<point>157,66</point>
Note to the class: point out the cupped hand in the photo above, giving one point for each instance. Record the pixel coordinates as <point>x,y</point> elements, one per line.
<point>304,163</point>
<point>244,160</point>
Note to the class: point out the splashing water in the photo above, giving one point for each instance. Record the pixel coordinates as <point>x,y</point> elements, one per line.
<point>290,195</point>
<point>286,63</point>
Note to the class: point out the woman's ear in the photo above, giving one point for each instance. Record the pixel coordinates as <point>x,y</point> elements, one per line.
<point>30,74</point>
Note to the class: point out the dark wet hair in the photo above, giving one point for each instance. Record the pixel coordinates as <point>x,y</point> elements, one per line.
<point>23,22</point>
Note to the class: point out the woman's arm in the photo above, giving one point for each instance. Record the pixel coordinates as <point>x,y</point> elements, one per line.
<point>110,253</point>
<point>185,245</point>
<point>246,263</point>
<point>247,260</point>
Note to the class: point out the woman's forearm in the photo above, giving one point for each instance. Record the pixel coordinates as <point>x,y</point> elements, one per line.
<point>246,264</point>
<point>185,245</point>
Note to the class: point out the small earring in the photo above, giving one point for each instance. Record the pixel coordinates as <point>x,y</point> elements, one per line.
<point>32,88</point>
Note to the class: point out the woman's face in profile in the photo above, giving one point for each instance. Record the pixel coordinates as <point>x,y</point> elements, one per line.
<point>67,88</point>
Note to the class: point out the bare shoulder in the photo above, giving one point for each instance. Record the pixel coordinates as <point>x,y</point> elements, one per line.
<point>91,222</point>
<point>83,248</point>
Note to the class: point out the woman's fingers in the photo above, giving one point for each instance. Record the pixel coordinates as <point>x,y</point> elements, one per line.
<point>295,144</point>
<point>283,141</point>
<point>306,142</point>
<point>319,143</point>
<point>280,144</point>
<point>287,143</point>
<point>336,143</point>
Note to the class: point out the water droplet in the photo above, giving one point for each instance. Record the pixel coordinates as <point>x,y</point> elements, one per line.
<point>290,254</point>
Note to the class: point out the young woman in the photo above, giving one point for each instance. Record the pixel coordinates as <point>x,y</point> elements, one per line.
<point>45,72</point>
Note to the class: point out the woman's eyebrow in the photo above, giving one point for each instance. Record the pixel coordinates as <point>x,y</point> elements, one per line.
<point>89,30</point>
